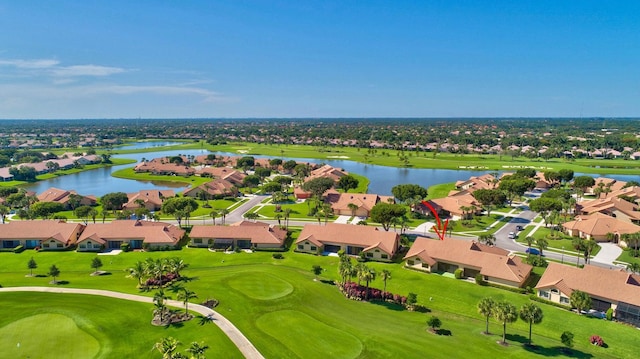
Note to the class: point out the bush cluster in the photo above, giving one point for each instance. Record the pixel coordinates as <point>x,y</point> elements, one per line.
<point>161,281</point>
<point>596,340</point>
<point>359,292</point>
<point>277,256</point>
<point>458,273</point>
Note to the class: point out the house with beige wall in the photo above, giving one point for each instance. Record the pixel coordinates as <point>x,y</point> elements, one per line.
<point>243,234</point>
<point>46,234</point>
<point>138,234</point>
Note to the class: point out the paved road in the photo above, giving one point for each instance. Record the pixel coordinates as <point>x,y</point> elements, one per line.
<point>244,345</point>
<point>237,214</point>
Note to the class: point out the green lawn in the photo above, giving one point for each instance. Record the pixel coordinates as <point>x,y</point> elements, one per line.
<point>252,287</point>
<point>440,190</point>
<point>129,173</point>
<point>559,244</point>
<point>82,326</point>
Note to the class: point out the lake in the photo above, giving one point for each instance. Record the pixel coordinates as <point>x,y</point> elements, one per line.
<point>99,181</point>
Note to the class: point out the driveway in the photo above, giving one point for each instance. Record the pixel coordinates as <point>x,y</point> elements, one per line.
<point>609,252</point>
<point>237,214</point>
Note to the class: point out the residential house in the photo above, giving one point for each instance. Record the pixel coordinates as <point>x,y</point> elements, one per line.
<point>597,226</point>
<point>458,203</point>
<point>326,171</point>
<point>5,176</point>
<point>496,265</point>
<point>376,244</point>
<point>364,202</point>
<point>138,234</point>
<point>151,199</point>
<point>612,206</point>
<point>47,235</point>
<point>217,188</point>
<point>229,174</point>
<point>65,198</point>
<point>244,234</point>
<point>608,288</point>
<point>486,181</point>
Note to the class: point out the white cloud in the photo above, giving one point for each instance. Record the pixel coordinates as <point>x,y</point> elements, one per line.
<point>30,64</point>
<point>86,70</point>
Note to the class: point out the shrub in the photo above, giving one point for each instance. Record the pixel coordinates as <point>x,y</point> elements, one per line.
<point>124,247</point>
<point>609,314</point>
<point>480,279</point>
<point>277,256</point>
<point>596,340</point>
<point>536,261</point>
<point>18,249</point>
<point>458,273</point>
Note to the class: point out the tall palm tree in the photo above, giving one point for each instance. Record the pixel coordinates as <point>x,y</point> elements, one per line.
<point>486,307</point>
<point>542,244</point>
<point>346,267</point>
<point>504,313</point>
<point>353,207</point>
<point>287,214</point>
<point>223,213</point>
<point>530,241</point>
<point>278,217</point>
<point>634,267</point>
<point>185,296</point>
<point>385,275</point>
<point>213,214</point>
<point>197,350</point>
<point>368,276</point>
<point>589,246</point>
<point>159,299</point>
<point>531,314</point>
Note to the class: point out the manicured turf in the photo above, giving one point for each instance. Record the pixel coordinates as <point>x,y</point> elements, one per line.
<point>82,326</point>
<point>242,282</point>
<point>25,338</point>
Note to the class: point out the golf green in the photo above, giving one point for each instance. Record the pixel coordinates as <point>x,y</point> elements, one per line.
<point>262,286</point>
<point>47,336</point>
<point>311,338</point>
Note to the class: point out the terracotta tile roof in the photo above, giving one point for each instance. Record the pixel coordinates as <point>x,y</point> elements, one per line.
<point>149,232</point>
<point>328,172</point>
<point>257,232</point>
<point>226,173</point>
<point>611,284</point>
<point>599,224</point>
<point>610,204</point>
<point>152,196</point>
<point>340,201</point>
<point>491,261</point>
<point>53,195</point>
<point>39,230</point>
<point>362,236</point>
<point>454,201</point>
<point>214,188</point>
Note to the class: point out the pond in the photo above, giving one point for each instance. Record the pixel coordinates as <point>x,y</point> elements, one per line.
<point>99,181</point>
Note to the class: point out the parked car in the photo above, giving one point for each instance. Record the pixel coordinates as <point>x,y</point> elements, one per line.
<point>512,235</point>
<point>519,228</point>
<point>532,251</point>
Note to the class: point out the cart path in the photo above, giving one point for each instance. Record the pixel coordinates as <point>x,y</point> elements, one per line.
<point>244,345</point>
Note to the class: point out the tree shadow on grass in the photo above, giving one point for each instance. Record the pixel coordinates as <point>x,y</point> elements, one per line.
<point>61,282</point>
<point>445,332</point>
<point>327,281</point>
<point>517,338</point>
<point>557,351</point>
<point>391,306</point>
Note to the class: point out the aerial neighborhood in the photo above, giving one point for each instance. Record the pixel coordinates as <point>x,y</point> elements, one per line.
<point>554,237</point>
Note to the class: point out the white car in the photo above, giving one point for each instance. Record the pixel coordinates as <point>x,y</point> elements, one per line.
<point>512,235</point>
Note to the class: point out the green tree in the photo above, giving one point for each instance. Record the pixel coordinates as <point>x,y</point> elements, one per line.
<point>487,238</point>
<point>317,270</point>
<point>138,271</point>
<point>542,244</point>
<point>83,212</point>
<point>4,211</point>
<point>385,213</point>
<point>515,187</point>
<point>213,214</point>
<point>434,323</point>
<point>46,209</point>
<point>114,201</point>
<point>544,206</point>
<point>567,339</point>
<point>403,192</point>
<point>581,183</point>
<point>347,183</point>
<point>96,264</point>
<point>580,300</point>
<point>634,267</point>
<point>505,312</point>
<point>489,198</point>
<point>566,175</point>
<point>412,300</point>
<point>532,314</point>
<point>486,307</point>
<point>54,272</point>
<point>32,265</point>
<point>317,187</point>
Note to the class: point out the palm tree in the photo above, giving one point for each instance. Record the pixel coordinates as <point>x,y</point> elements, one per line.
<point>542,244</point>
<point>353,207</point>
<point>176,265</point>
<point>589,246</point>
<point>385,275</point>
<point>580,300</point>
<point>504,313</point>
<point>317,270</point>
<point>197,350</point>
<point>138,271</point>
<point>251,215</point>
<point>487,238</point>
<point>223,213</point>
<point>167,347</point>
<point>213,214</point>
<point>531,314</point>
<point>93,213</point>
<point>634,267</point>
<point>278,217</point>
<point>346,267</point>
<point>486,307</point>
<point>530,241</point>
<point>4,211</point>
<point>287,214</point>
<point>159,301</point>
<point>185,296</point>
<point>368,276</point>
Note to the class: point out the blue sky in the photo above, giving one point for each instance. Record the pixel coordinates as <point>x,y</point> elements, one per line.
<point>115,59</point>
